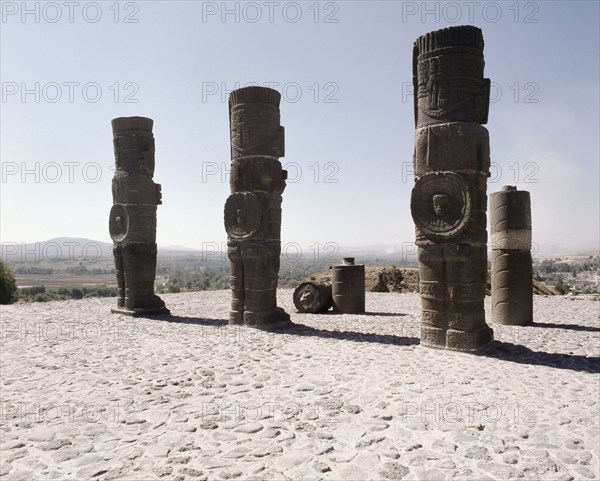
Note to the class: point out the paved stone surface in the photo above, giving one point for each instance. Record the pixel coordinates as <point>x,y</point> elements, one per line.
<point>90,395</point>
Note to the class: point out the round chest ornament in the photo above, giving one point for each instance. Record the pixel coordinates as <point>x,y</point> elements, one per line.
<point>118,224</point>
<point>440,205</point>
<point>242,215</point>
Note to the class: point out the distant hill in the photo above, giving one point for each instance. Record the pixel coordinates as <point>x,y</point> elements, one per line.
<point>70,248</point>
<point>177,250</point>
<point>551,250</point>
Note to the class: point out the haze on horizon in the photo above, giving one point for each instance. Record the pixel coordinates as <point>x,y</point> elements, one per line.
<point>345,73</point>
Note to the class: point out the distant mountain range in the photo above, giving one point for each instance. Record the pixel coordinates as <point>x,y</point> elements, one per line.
<point>69,248</point>
<point>54,249</point>
<point>78,247</point>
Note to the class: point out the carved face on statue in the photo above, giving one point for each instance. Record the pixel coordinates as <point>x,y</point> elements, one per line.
<point>307,296</point>
<point>240,216</point>
<point>441,204</point>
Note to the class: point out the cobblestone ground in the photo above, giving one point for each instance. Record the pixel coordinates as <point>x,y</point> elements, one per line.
<point>90,395</point>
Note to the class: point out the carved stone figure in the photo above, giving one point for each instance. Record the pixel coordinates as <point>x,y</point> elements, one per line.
<point>253,210</point>
<point>348,281</point>
<point>448,201</point>
<point>313,297</point>
<point>132,222</point>
<point>512,273</point>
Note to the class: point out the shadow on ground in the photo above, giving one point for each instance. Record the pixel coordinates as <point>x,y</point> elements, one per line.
<point>354,336</point>
<point>302,330</point>
<point>505,351</point>
<point>366,313</point>
<point>191,320</point>
<point>572,327</point>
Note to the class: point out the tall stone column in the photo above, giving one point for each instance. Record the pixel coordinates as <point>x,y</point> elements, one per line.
<point>132,222</point>
<point>512,272</point>
<point>448,202</point>
<point>253,210</point>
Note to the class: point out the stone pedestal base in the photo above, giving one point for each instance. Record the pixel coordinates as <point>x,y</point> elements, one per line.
<point>456,340</point>
<point>276,317</point>
<point>469,341</point>
<point>140,302</point>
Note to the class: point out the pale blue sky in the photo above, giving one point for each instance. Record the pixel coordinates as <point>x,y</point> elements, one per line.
<point>542,58</point>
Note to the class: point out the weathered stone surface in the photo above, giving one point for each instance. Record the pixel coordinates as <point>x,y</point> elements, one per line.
<point>249,428</point>
<point>393,470</point>
<point>20,475</point>
<point>321,466</point>
<point>132,221</point>
<point>293,459</point>
<point>55,444</point>
<point>512,273</point>
<point>158,451</point>
<point>41,435</point>
<point>253,210</point>
<point>448,201</point>
<point>350,471</point>
<point>66,454</point>
<point>369,441</point>
<point>14,444</point>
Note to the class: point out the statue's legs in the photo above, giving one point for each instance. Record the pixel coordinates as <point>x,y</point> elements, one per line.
<point>452,285</point>
<point>261,268</point>
<point>118,256</point>
<point>432,287</point>
<point>139,267</point>
<point>466,274</point>
<point>236,280</point>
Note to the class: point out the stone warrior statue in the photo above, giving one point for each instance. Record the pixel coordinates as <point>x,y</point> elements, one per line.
<point>448,202</point>
<point>253,210</point>
<point>512,286</point>
<point>132,221</point>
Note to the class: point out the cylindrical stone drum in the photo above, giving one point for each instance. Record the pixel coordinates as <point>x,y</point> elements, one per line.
<point>313,297</point>
<point>510,218</point>
<point>512,287</point>
<point>512,272</point>
<point>348,287</point>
